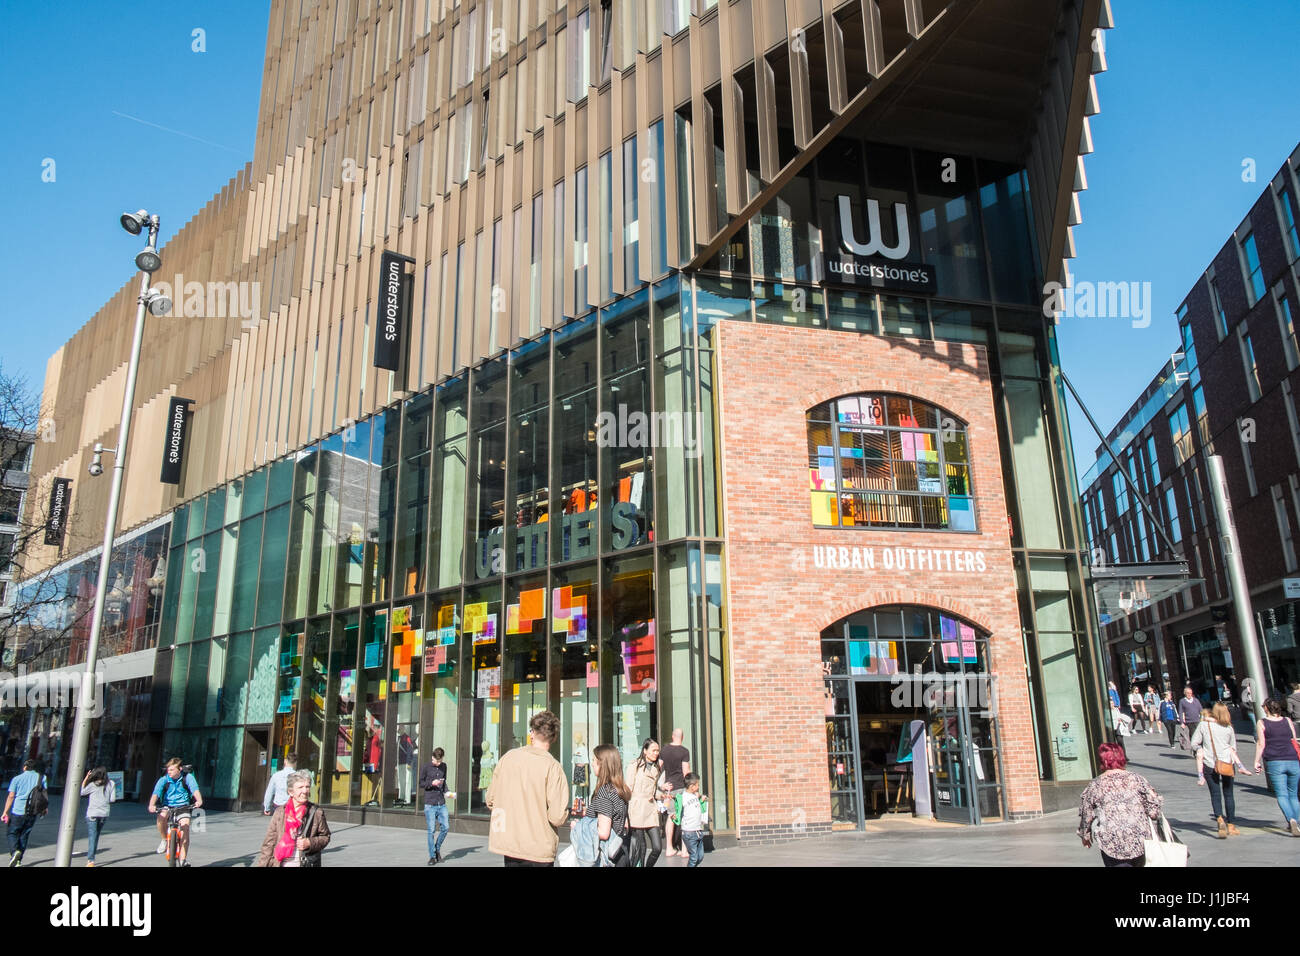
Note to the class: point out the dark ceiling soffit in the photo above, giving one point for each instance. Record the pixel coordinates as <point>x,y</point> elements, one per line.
<point>1053,263</point>
<point>951,17</point>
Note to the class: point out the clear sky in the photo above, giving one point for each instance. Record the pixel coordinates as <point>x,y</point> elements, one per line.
<point>73,72</point>
<point>1193,88</point>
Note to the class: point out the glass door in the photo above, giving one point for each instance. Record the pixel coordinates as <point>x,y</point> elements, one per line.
<point>951,759</point>
<point>842,756</point>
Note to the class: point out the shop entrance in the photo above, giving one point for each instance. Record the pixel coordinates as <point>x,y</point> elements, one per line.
<point>255,769</point>
<point>901,739</point>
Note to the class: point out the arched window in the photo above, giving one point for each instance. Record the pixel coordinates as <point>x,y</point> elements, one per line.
<point>888,461</point>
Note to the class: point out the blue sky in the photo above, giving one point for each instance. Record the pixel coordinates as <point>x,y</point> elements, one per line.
<point>68,70</point>
<point>1189,94</point>
<point>1191,90</point>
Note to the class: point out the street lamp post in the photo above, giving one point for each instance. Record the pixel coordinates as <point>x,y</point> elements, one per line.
<point>150,299</point>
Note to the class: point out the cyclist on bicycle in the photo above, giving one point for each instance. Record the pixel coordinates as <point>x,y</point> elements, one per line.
<point>179,792</point>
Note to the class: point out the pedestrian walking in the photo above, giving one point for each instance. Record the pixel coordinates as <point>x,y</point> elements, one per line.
<point>691,812</point>
<point>1169,716</point>
<point>1293,702</point>
<point>1278,755</point>
<point>277,788</point>
<point>1189,716</point>
<point>1151,701</point>
<point>676,761</point>
<point>529,798</point>
<point>433,781</point>
<point>26,803</point>
<point>102,792</point>
<point>297,832</point>
<point>646,778</point>
<point>1215,746</point>
<point>1116,810</point>
<point>609,806</point>
<point>1138,708</point>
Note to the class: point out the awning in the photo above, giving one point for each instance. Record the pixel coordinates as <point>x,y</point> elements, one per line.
<point>57,687</point>
<point>1123,589</point>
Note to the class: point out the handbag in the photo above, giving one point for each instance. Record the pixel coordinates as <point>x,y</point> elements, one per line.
<point>1223,768</point>
<point>1163,848</point>
<point>706,838</point>
<point>1294,743</point>
<point>304,857</point>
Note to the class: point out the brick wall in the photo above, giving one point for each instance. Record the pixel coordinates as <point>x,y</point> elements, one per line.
<point>779,600</point>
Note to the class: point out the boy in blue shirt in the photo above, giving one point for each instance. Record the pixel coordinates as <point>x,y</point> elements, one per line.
<point>19,814</point>
<point>178,790</point>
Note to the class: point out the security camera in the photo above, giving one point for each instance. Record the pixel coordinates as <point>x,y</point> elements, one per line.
<point>96,466</point>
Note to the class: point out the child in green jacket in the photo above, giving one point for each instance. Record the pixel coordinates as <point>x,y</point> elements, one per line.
<point>691,815</point>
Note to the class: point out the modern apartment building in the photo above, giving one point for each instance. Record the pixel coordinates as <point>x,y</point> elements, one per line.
<point>1228,390</point>
<point>663,364</point>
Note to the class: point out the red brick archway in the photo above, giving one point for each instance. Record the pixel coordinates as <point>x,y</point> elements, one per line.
<point>930,599</point>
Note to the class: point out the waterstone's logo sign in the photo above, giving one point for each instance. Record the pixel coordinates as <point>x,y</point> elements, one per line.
<point>58,511</point>
<point>872,262</point>
<point>174,445</point>
<point>393,311</point>
<point>852,558</point>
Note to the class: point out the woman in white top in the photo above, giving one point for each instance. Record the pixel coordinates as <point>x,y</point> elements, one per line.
<point>102,791</point>
<point>1215,746</point>
<point>1137,707</point>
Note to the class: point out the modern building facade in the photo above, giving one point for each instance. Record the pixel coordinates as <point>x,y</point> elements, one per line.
<point>1229,390</point>
<point>725,402</point>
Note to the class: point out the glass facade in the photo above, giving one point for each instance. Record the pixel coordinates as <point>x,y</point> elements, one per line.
<point>55,632</point>
<point>544,530</point>
<point>437,574</point>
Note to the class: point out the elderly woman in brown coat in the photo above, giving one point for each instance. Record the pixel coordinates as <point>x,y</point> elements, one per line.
<point>297,832</point>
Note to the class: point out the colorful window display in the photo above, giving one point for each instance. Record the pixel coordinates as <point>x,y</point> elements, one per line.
<point>888,461</point>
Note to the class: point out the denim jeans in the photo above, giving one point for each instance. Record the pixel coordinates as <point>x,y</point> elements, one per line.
<point>433,817</point>
<point>1213,782</point>
<point>20,828</point>
<point>1284,778</point>
<point>94,826</point>
<point>694,840</point>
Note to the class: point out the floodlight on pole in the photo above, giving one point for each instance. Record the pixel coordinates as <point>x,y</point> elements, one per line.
<point>152,301</point>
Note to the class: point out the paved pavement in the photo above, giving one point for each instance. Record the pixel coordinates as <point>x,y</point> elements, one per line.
<point>232,839</point>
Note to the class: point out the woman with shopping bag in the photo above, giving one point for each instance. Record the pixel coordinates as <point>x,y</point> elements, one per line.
<point>1117,810</point>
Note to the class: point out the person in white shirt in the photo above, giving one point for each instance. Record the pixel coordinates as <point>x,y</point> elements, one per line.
<point>277,788</point>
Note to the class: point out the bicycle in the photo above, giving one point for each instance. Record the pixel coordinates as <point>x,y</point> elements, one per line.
<point>174,830</point>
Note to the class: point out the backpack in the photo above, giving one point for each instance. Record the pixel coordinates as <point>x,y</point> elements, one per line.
<point>38,801</point>
<point>184,786</point>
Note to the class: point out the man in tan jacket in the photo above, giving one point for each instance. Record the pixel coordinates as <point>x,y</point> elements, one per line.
<point>529,798</point>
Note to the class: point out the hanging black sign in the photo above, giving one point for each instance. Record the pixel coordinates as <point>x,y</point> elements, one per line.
<point>392,314</point>
<point>60,492</point>
<point>174,446</point>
